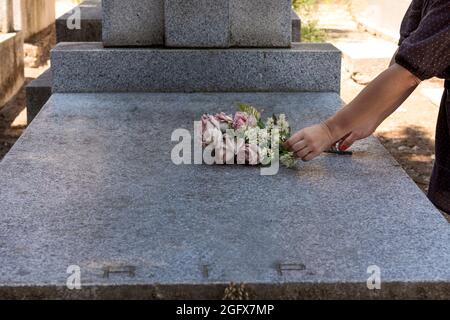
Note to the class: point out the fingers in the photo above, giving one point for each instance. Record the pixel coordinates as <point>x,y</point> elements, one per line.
<point>309,143</point>
<point>299,146</point>
<point>310,156</point>
<point>306,154</point>
<point>297,137</point>
<point>303,153</point>
<point>348,142</point>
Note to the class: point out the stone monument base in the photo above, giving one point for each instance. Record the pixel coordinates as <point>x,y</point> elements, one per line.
<point>89,67</point>
<point>91,183</point>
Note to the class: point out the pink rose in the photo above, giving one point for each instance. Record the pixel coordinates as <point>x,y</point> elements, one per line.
<point>223,117</point>
<point>210,129</point>
<point>242,118</point>
<point>209,121</point>
<point>224,120</point>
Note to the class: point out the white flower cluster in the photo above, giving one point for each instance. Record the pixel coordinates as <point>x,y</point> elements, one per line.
<point>284,127</point>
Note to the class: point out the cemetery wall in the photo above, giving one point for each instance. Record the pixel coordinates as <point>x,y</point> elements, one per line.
<point>34,16</point>
<point>11,65</point>
<point>380,16</point>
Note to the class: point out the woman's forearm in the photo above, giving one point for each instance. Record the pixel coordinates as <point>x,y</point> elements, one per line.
<point>375,103</point>
<point>393,59</point>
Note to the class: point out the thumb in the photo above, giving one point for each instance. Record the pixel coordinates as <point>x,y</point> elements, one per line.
<point>347,142</point>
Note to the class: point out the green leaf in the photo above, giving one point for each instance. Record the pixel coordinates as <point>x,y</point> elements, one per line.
<point>250,110</point>
<point>261,124</point>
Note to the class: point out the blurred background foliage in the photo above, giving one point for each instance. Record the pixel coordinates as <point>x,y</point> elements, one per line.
<point>310,31</point>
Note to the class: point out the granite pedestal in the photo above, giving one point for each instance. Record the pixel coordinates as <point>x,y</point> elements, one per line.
<point>88,67</point>
<point>91,24</point>
<point>197,23</point>
<point>133,22</point>
<point>91,184</point>
<point>260,23</point>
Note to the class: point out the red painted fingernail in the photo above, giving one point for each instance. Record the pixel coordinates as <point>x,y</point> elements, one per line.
<point>343,147</point>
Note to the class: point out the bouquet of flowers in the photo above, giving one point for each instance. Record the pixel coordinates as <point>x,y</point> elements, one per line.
<point>245,137</point>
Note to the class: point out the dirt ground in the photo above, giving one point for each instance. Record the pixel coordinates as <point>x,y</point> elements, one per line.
<point>408,134</point>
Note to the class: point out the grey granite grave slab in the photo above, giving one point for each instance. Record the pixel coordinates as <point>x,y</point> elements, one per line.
<point>88,67</point>
<point>133,22</point>
<point>91,183</point>
<point>197,23</point>
<point>37,94</point>
<point>90,23</point>
<point>261,23</point>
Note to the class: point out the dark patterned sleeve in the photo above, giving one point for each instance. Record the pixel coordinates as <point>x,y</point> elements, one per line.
<point>411,20</point>
<point>425,50</point>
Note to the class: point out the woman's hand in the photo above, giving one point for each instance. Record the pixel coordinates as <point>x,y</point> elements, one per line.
<point>310,142</point>
<point>360,118</point>
<point>356,134</point>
